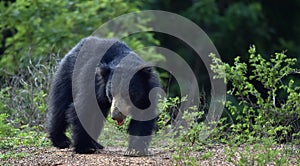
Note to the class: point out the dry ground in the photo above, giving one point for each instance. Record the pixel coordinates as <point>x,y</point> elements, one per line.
<point>112,156</point>
<point>109,156</point>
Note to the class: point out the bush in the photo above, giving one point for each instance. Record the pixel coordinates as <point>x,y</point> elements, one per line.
<point>39,28</point>
<point>24,97</point>
<point>23,136</point>
<point>268,100</point>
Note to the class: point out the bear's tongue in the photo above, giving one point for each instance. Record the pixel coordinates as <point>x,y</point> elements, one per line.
<point>120,122</point>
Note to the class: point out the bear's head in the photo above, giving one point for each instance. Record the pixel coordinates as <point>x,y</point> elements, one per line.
<point>128,92</point>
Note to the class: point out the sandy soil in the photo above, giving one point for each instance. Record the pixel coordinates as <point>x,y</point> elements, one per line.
<point>114,156</point>
<point>108,156</point>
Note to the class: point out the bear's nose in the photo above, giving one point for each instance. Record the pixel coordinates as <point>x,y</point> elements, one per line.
<point>118,116</point>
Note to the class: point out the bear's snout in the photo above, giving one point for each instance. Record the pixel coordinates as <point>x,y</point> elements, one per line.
<point>118,116</point>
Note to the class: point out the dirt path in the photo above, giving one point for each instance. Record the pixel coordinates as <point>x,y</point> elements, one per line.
<point>109,156</point>
<point>114,156</point>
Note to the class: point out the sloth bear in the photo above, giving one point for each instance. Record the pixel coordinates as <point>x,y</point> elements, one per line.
<point>63,113</point>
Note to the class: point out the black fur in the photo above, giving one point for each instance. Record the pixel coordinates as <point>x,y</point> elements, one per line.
<point>62,112</point>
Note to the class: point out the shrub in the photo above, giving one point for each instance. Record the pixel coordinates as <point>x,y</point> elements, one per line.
<point>41,27</point>
<point>24,97</point>
<point>268,100</point>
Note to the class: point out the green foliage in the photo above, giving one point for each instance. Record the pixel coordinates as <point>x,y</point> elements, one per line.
<point>5,129</point>
<point>183,156</point>
<point>241,22</point>
<point>4,93</point>
<point>9,155</point>
<point>257,124</point>
<point>261,111</point>
<point>12,137</point>
<point>184,139</point>
<point>24,97</point>
<point>189,139</point>
<point>39,27</point>
<point>188,146</point>
<point>207,8</point>
<point>167,108</point>
<point>265,153</point>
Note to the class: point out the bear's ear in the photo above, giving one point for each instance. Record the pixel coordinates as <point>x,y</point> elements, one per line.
<point>102,71</point>
<point>98,71</point>
<point>146,72</point>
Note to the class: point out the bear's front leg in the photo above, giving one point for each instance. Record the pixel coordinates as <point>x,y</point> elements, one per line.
<point>139,138</point>
<point>138,146</point>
